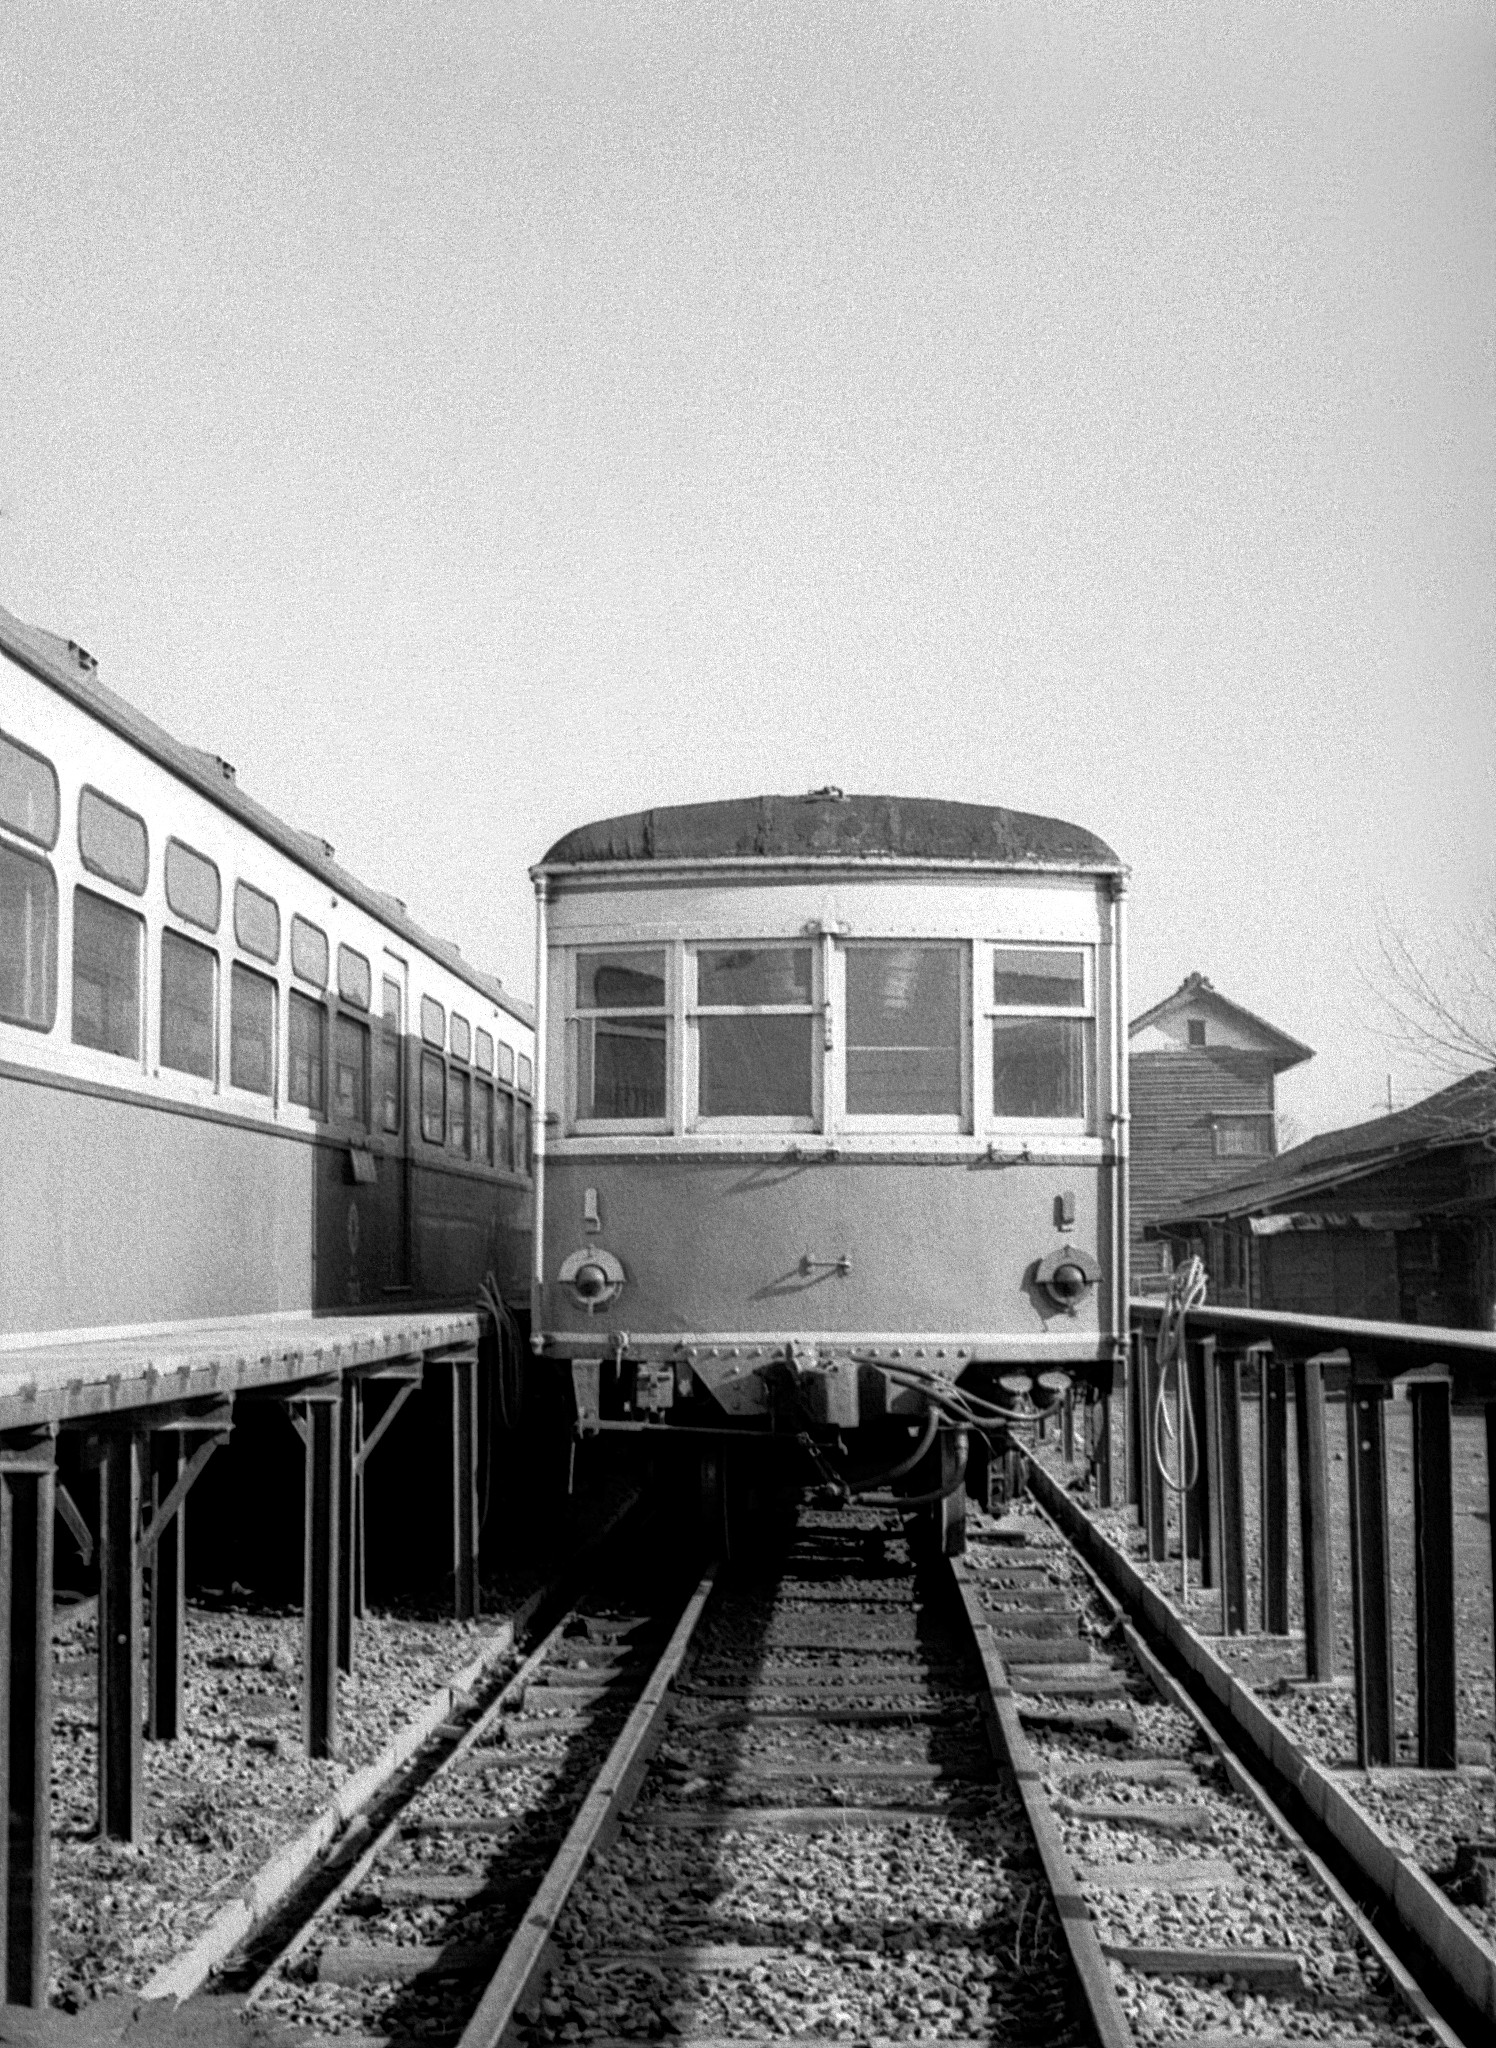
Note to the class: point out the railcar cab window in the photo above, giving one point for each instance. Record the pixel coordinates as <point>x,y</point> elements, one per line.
<point>30,807</point>
<point>905,1034</point>
<point>622,1032</point>
<point>1042,1023</point>
<point>754,1026</point>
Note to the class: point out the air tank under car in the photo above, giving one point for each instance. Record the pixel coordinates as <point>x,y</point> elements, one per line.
<point>833,1147</point>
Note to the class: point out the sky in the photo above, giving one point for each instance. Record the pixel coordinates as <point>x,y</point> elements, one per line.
<point>471,420</point>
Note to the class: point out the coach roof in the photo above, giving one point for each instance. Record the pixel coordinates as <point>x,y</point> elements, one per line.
<point>827,826</point>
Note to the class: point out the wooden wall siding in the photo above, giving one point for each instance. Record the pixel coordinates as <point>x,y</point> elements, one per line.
<point>1175,1098</point>
<point>1332,1273</point>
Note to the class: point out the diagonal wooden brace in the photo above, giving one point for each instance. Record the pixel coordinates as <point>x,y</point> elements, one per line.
<point>145,1548</point>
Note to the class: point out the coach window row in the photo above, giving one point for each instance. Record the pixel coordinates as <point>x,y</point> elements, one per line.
<point>330,1031</point>
<point>911,1025</point>
<point>473,1101</point>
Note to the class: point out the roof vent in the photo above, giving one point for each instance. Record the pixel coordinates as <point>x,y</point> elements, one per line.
<point>81,655</point>
<point>226,769</point>
<point>830,794</point>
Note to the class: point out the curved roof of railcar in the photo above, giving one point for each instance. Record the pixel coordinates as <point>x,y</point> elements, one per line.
<point>835,828</point>
<point>65,666</point>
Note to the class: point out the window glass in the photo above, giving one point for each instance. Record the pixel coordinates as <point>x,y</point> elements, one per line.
<point>112,841</point>
<point>457,1112</point>
<point>483,1122</point>
<point>621,1067</point>
<point>526,1075</point>
<point>354,978</point>
<point>193,890</point>
<point>306,1043</point>
<point>433,1022</point>
<point>621,981</point>
<point>1039,1066</point>
<point>390,1057</point>
<point>257,922</point>
<point>485,1051</point>
<point>350,1071</point>
<point>106,975</point>
<point>1196,1030</point>
<point>522,1135</point>
<point>503,1140</point>
<point>28,940</point>
<point>506,1061</point>
<point>755,1031</point>
<point>30,802</point>
<point>462,1037</point>
<point>308,952</point>
<point>189,1005</point>
<point>433,1099</point>
<point>1039,977</point>
<point>251,1030</point>
<point>904,1030</point>
<point>1243,1137</point>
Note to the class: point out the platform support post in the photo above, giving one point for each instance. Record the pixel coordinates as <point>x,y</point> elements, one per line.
<point>1132,1419</point>
<point>1223,1427</point>
<point>120,1637</point>
<point>1102,1423</point>
<point>1371,1585</point>
<point>1273,1408</point>
<point>454,1382</point>
<point>351,1522</point>
<point>1433,1553</point>
<point>323,1415</point>
<point>27,1505</point>
<point>1067,1425</point>
<point>1199,1520</point>
<point>168,1593</point>
<point>1314,1518</point>
<point>1155,1510</point>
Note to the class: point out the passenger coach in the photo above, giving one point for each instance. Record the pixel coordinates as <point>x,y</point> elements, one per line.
<point>233,1079</point>
<point>834,1141</point>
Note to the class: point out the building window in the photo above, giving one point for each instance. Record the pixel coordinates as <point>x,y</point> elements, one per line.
<point>308,952</point>
<point>251,1030</point>
<point>350,1072</point>
<point>112,842</point>
<point>1243,1137</point>
<point>433,1023</point>
<point>107,941</point>
<point>28,940</point>
<point>622,1036</point>
<point>483,1122</point>
<point>904,1031</point>
<point>193,889</point>
<point>755,1032</point>
<point>457,1112</point>
<point>257,922</point>
<point>189,1005</point>
<point>355,978</point>
<point>433,1099</point>
<point>30,801</point>
<point>1196,1029</point>
<point>306,1070</point>
<point>390,1057</point>
<point>1041,1033</point>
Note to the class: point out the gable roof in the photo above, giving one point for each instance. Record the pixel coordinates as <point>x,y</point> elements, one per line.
<point>1195,992</point>
<point>829,826</point>
<point>1461,1114</point>
<point>71,671</point>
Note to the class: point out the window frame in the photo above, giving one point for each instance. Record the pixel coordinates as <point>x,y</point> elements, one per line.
<point>391,1043</point>
<point>873,1122</point>
<point>431,1061</point>
<point>252,889</point>
<point>459,1088</point>
<point>304,924</point>
<point>20,831</point>
<point>578,1013</point>
<point>481,1119</point>
<point>1085,1012</point>
<point>347,996</point>
<point>346,1016</point>
<point>138,1057</point>
<point>38,859</point>
<point>271,1094</point>
<point>693,1010</point>
<point>170,935</point>
<point>99,874</point>
<point>1238,1117</point>
<point>316,1110</point>
<point>186,916</point>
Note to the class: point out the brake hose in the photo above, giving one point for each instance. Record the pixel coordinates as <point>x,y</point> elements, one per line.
<point>1186,1291</point>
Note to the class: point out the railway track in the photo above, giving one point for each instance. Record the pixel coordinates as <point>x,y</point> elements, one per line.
<point>859,1797</point>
